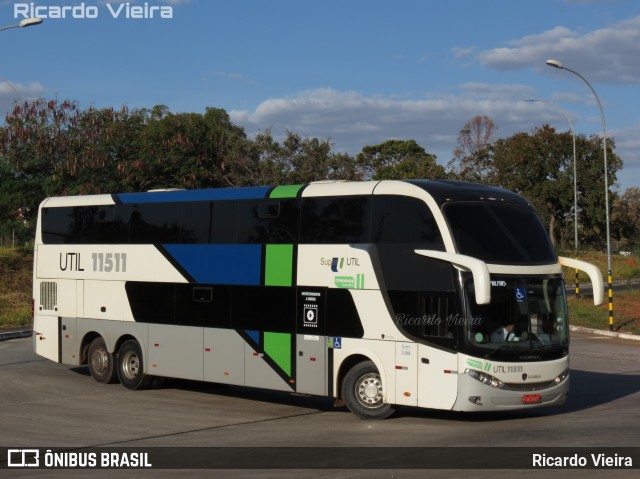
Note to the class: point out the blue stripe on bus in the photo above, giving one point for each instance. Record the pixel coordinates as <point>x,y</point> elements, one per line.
<point>255,335</point>
<point>219,264</point>
<point>254,192</point>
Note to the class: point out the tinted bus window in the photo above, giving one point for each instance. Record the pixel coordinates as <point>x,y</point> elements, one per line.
<point>499,233</point>
<point>107,224</point>
<point>273,221</point>
<point>225,218</point>
<point>155,223</point>
<point>195,227</point>
<point>404,220</point>
<point>335,220</point>
<point>62,225</point>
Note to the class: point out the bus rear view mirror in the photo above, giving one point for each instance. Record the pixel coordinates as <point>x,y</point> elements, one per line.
<point>594,275</point>
<point>478,268</point>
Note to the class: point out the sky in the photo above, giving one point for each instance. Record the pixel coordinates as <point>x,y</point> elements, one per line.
<point>355,72</point>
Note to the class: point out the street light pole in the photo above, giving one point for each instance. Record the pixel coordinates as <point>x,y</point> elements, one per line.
<point>575,180</point>
<point>27,22</point>
<point>557,64</point>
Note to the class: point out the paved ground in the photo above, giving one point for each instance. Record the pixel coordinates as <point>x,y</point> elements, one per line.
<point>44,404</point>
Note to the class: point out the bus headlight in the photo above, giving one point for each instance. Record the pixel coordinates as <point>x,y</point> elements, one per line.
<point>563,375</point>
<point>484,378</point>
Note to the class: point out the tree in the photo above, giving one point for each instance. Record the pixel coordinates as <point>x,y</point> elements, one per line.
<point>187,150</point>
<point>471,158</point>
<point>625,218</point>
<point>536,166</point>
<point>33,145</point>
<point>540,167</point>
<point>301,160</point>
<point>398,159</point>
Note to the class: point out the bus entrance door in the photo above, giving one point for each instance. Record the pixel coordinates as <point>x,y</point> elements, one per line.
<point>437,378</point>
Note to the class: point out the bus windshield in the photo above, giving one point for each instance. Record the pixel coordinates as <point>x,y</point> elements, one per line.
<point>523,314</point>
<point>499,233</point>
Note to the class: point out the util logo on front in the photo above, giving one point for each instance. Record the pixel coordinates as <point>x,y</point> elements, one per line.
<point>338,263</point>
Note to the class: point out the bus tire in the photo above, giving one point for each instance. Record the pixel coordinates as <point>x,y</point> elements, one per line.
<point>102,363</point>
<point>131,366</point>
<point>363,394</point>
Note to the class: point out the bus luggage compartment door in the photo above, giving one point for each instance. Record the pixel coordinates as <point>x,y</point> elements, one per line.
<point>311,370</point>
<point>46,336</point>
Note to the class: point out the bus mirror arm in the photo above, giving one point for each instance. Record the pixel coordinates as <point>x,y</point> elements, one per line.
<point>478,268</point>
<point>594,275</point>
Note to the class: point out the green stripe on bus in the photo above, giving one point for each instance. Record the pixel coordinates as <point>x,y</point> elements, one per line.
<point>285,191</point>
<point>278,270</point>
<point>278,347</point>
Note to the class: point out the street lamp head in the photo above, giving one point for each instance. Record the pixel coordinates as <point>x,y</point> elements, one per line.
<point>27,22</point>
<point>554,63</point>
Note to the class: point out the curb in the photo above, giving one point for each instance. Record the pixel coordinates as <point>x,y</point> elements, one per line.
<point>610,334</point>
<point>24,333</point>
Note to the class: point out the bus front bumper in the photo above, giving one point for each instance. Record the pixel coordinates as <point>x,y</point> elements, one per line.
<point>474,396</point>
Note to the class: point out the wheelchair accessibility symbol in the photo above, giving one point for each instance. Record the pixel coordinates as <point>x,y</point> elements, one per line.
<point>521,295</point>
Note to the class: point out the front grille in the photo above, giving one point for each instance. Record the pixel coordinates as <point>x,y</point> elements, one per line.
<point>529,386</point>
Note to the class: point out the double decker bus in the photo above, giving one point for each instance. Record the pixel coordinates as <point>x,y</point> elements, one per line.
<point>428,293</point>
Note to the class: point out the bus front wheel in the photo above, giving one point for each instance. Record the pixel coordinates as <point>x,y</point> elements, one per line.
<point>363,394</point>
<point>131,366</point>
<point>102,364</point>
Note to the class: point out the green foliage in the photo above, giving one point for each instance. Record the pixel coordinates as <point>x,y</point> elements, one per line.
<point>51,148</point>
<point>15,290</point>
<point>398,159</point>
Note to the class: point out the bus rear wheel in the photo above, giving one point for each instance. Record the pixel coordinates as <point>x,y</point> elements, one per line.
<point>131,366</point>
<point>102,364</point>
<point>363,393</point>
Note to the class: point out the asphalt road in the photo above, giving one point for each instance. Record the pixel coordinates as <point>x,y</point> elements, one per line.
<point>44,404</point>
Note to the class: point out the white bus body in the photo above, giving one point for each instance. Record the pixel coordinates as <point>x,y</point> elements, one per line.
<point>381,293</point>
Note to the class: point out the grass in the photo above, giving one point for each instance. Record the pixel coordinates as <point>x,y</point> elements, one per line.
<point>16,266</point>
<point>626,312</point>
<point>624,268</point>
<point>16,279</point>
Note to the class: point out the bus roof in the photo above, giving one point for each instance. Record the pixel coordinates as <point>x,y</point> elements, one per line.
<point>442,191</point>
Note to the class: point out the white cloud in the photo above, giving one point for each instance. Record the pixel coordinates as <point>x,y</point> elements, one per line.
<point>462,52</point>
<point>352,120</point>
<point>233,76</point>
<point>10,93</point>
<point>610,55</point>
<point>627,148</point>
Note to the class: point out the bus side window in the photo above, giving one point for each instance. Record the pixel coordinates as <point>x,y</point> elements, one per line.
<point>195,224</point>
<point>108,224</point>
<point>62,225</point>
<point>223,222</point>
<point>155,223</point>
<point>270,221</point>
<point>335,220</point>
<point>430,316</point>
<point>404,220</point>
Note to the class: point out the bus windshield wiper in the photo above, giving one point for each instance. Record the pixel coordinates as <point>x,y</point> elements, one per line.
<point>499,348</point>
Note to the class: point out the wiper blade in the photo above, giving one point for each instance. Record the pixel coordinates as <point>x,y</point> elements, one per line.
<point>499,348</point>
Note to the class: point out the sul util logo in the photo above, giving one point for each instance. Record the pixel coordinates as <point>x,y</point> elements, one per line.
<point>336,263</point>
